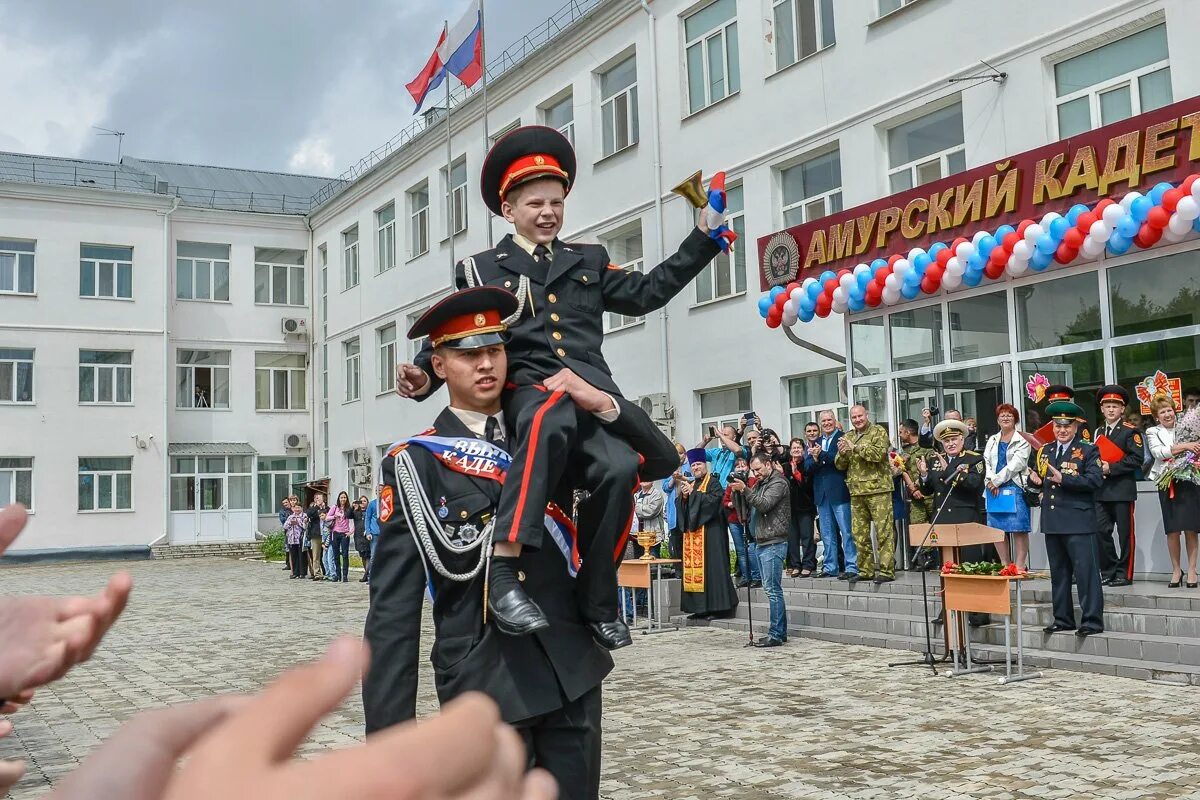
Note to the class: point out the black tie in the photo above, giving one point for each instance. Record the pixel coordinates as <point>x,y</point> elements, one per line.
<point>541,253</point>
<point>491,431</point>
<point>1061,451</point>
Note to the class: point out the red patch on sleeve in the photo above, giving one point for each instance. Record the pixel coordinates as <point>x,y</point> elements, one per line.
<point>385,504</point>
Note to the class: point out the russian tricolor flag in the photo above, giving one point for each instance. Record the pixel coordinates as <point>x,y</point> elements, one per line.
<point>459,51</point>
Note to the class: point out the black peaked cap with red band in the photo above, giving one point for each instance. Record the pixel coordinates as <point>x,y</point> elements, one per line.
<point>1113,392</point>
<point>523,155</point>
<point>467,319</point>
<point>1059,391</point>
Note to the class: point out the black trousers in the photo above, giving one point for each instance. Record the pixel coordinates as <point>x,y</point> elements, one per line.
<point>802,547</point>
<point>296,558</point>
<point>1116,558</point>
<point>566,743</point>
<point>1073,556</point>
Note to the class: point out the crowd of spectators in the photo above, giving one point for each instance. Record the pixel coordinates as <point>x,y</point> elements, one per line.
<point>318,537</point>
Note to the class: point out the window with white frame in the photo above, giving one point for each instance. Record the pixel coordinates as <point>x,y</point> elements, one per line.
<point>276,477</point>
<point>802,27</point>
<point>16,481</point>
<point>498,134</point>
<point>418,220</point>
<point>16,266</point>
<point>352,357</point>
<point>202,271</point>
<point>385,238</point>
<point>1113,82</point>
<point>386,340</point>
<point>16,375</point>
<point>350,257</point>
<point>211,483</point>
<point>711,54</point>
<point>888,6</point>
<point>105,377</point>
<point>279,382</point>
<point>725,275</point>
<point>105,271</point>
<point>416,345</point>
<point>723,406</point>
<point>106,484</point>
<point>926,148</point>
<point>278,277</point>
<point>456,187</point>
<point>202,379</point>
<point>811,189</point>
<point>560,115</point>
<point>625,251</point>
<point>619,107</point>
<point>809,395</point>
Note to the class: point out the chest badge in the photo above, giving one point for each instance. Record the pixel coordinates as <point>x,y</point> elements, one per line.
<point>442,511</point>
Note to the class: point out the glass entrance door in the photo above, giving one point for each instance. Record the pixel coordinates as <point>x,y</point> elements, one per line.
<point>975,392</point>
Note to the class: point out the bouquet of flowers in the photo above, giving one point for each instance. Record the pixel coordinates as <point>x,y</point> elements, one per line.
<point>981,568</point>
<point>1185,466</point>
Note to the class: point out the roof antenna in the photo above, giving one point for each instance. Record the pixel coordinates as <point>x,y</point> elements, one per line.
<point>996,76</point>
<point>108,132</point>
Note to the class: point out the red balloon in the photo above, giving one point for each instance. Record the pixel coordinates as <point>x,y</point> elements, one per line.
<point>936,271</point>
<point>823,306</point>
<point>1187,183</point>
<point>1009,240</point>
<point>1065,254</point>
<point>930,284</point>
<point>1085,221</point>
<point>1158,217</point>
<point>791,287</point>
<point>893,259</point>
<point>1073,239</point>
<point>774,322</point>
<point>780,300</point>
<point>830,285</point>
<point>1025,223</point>
<point>874,295</point>
<point>957,242</point>
<point>1148,236</point>
<point>943,256</point>
<point>1171,198</point>
<point>999,256</point>
<point>1103,204</point>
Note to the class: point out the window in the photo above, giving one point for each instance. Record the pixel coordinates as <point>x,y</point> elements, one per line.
<point>323,260</point>
<point>978,327</point>
<point>16,376</point>
<point>1170,300</point>
<point>867,343</point>
<point>809,395</point>
<point>276,477</point>
<point>352,356</point>
<point>723,406</point>
<point>202,379</point>
<point>560,115</point>
<point>416,345</point>
<point>1082,371</point>
<point>386,337</point>
<point>725,275</point>
<point>1058,312</point>
<point>105,484</point>
<point>418,220</point>
<point>385,238</point>
<point>211,483</point>
<point>624,250</point>
<point>711,52</point>
<point>888,6</point>
<point>279,382</point>
<point>1179,357</point>
<point>1113,82</point>
<point>812,189</point>
<point>802,27</point>
<point>278,277</point>
<point>350,257</point>
<point>202,271</point>
<point>456,187</point>
<point>105,271</point>
<point>872,396</point>
<point>105,376</point>
<point>917,338</point>
<point>499,134</point>
<point>618,107</point>
<point>16,266</point>
<point>16,481</point>
<point>926,148</point>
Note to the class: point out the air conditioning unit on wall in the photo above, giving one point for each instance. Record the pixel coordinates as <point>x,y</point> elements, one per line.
<point>658,407</point>
<point>294,326</point>
<point>362,455</point>
<point>296,441</point>
<point>362,475</point>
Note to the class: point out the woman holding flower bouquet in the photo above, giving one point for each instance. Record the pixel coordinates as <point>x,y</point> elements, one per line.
<point>1176,470</point>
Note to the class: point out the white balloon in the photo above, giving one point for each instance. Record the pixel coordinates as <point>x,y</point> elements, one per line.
<point>1178,225</point>
<point>1189,207</point>
<point>840,294</point>
<point>951,280</point>
<point>891,282</point>
<point>1196,189</point>
<point>789,307</point>
<point>797,295</point>
<point>1172,237</point>
<point>965,250</point>
<point>891,296</point>
<point>1128,199</point>
<point>839,306</point>
<point>978,235</point>
<point>901,268</point>
<point>847,281</point>
<point>955,267</point>
<point>807,282</point>
<point>1022,250</point>
<point>1092,247</point>
<point>1034,232</point>
<point>1017,266</point>
<point>1112,215</point>
<point>916,251</point>
<point>861,268</point>
<point>1050,217</point>
<point>789,319</point>
<point>1100,230</point>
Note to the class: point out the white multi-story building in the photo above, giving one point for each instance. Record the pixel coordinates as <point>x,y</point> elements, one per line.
<point>810,106</point>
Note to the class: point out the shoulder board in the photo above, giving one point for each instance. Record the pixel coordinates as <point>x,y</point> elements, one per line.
<point>970,452</point>
<point>1128,424</point>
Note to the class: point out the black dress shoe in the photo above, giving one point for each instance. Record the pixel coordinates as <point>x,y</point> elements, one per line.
<point>767,641</point>
<point>611,635</point>
<point>1083,633</point>
<point>844,576</point>
<point>1056,628</point>
<point>515,614</point>
<point>755,584</point>
<point>855,577</point>
<point>883,579</point>
<point>363,579</point>
<point>743,584</point>
<point>1119,582</point>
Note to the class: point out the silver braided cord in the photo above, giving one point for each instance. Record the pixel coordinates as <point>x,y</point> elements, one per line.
<point>420,516</point>
<point>471,276</point>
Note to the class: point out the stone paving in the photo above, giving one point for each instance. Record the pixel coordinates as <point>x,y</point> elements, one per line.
<point>690,714</point>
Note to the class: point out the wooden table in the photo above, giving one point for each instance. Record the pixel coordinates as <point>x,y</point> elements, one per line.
<point>641,573</point>
<point>989,594</point>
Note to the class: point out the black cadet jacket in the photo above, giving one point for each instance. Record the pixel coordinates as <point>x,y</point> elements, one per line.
<point>961,491</point>
<point>1121,481</point>
<point>526,675</point>
<point>1070,507</point>
<point>562,322</point>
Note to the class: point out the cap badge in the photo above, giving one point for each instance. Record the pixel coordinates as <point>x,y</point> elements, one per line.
<point>539,160</point>
<point>480,320</point>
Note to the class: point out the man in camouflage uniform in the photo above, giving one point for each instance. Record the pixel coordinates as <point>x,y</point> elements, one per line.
<point>863,454</point>
<point>920,508</point>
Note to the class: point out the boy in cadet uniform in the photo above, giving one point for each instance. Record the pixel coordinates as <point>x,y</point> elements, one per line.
<point>1116,498</point>
<point>563,291</point>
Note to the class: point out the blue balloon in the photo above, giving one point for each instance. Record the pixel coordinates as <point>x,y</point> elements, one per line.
<point>776,291</point>
<point>1040,260</point>
<point>922,262</point>
<point>1076,210</point>
<point>806,303</point>
<point>1196,225</point>
<point>936,248</point>
<point>827,275</point>
<point>975,262</point>
<point>805,315</point>
<point>764,305</point>
<point>814,291</point>
<point>1046,244</point>
<point>878,264</point>
<point>1004,230</point>
<point>1139,209</point>
<point>1128,227</point>
<point>972,278</point>
<point>910,291</point>
<point>855,303</point>
<point>913,277</point>
<point>986,245</point>
<point>1156,194</point>
<point>1058,229</point>
<point>1118,244</point>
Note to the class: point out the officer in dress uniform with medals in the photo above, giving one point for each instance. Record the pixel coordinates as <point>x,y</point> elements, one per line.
<point>1069,472</point>
<point>437,505</point>
<point>1116,498</point>
<point>1059,392</point>
<point>563,292</point>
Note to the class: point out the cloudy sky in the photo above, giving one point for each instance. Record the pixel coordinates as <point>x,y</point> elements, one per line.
<point>296,85</point>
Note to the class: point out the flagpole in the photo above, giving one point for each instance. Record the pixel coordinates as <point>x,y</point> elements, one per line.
<point>449,164</point>
<point>487,139</point>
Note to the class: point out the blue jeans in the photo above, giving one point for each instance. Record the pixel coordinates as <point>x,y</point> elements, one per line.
<point>747,557</point>
<point>341,555</point>
<point>835,518</point>
<point>374,542</point>
<point>327,561</point>
<point>771,557</point>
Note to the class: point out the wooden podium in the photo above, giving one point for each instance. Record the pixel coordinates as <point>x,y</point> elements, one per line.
<point>949,537</point>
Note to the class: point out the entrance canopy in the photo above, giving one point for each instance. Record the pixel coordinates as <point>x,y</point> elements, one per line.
<point>210,449</point>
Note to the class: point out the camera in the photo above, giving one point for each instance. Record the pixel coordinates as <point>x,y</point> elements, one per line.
<point>740,475</point>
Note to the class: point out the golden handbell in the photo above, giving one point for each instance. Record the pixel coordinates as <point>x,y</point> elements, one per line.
<point>692,190</point>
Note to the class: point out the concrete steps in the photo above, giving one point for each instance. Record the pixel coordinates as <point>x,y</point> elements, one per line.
<point>206,550</point>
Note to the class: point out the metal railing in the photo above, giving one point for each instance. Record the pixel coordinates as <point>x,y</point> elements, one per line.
<point>512,56</point>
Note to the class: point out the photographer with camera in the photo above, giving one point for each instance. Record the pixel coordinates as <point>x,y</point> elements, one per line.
<point>771,498</point>
<point>727,448</point>
<point>740,515</point>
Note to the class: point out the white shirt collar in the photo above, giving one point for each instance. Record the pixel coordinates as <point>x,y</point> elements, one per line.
<point>529,246</point>
<point>476,423</point>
